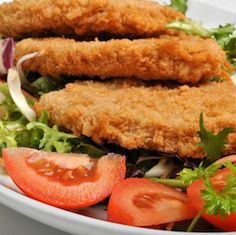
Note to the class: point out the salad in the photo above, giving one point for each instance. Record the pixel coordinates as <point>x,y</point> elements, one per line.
<point>140,187</point>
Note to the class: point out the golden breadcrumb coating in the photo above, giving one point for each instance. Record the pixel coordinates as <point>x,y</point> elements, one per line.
<point>141,18</point>
<point>153,117</point>
<point>186,59</point>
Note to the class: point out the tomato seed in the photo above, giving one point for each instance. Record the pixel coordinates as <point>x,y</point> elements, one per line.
<point>146,200</point>
<point>59,171</point>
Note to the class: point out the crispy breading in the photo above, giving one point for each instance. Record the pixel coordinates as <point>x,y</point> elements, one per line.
<point>142,18</point>
<point>154,117</point>
<point>186,59</point>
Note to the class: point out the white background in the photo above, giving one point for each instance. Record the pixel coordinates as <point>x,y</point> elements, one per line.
<point>12,223</point>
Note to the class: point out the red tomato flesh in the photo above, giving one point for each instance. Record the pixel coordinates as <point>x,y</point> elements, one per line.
<point>64,180</point>
<point>141,202</point>
<point>194,194</point>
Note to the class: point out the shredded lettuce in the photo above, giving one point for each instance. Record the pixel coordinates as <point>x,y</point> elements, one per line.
<point>223,33</point>
<point>7,137</point>
<point>179,5</point>
<point>189,26</point>
<point>44,85</point>
<point>12,120</point>
<point>51,139</point>
<point>91,149</point>
<point>230,48</point>
<point>38,85</point>
<point>10,112</point>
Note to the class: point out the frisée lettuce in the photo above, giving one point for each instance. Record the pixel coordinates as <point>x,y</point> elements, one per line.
<point>16,130</point>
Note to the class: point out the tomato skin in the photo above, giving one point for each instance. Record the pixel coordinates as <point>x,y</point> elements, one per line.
<point>230,158</point>
<point>194,195</point>
<point>110,170</point>
<point>141,202</point>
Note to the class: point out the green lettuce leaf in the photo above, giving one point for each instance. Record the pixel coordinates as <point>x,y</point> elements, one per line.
<point>179,5</point>
<point>7,137</point>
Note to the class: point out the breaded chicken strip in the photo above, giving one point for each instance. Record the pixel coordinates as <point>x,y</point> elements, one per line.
<point>140,116</point>
<point>185,59</point>
<point>141,18</point>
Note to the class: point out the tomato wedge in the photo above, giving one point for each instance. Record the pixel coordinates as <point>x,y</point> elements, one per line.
<point>230,158</point>
<point>194,194</point>
<point>64,180</point>
<point>141,202</point>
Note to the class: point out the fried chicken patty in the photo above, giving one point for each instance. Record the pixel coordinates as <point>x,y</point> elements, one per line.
<point>152,117</point>
<point>186,59</point>
<point>141,18</point>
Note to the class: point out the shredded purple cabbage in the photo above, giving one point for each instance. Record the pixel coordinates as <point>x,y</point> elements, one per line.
<point>7,49</point>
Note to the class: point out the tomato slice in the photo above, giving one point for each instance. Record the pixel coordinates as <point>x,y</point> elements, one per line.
<point>194,194</point>
<point>230,158</point>
<point>64,180</point>
<point>141,202</point>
